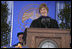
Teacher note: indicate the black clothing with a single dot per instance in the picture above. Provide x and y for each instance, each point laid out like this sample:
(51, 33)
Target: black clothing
(44, 22)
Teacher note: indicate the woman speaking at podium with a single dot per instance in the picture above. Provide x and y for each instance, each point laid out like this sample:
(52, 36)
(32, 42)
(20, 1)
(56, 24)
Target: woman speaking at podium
(44, 21)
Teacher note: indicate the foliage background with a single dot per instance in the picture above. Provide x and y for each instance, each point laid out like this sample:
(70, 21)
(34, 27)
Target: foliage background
(65, 16)
(5, 28)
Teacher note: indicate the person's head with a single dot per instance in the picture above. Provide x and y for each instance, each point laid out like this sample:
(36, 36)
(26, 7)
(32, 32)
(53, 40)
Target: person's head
(43, 9)
(20, 36)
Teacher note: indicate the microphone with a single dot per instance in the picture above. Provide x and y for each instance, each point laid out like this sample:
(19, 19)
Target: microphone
(45, 22)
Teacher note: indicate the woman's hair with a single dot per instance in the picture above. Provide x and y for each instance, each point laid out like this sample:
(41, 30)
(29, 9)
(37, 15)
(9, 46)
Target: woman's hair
(43, 5)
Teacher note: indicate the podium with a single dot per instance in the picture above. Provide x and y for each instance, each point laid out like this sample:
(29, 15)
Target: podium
(48, 38)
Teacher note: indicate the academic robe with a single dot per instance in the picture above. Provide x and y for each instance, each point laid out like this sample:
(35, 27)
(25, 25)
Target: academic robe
(44, 22)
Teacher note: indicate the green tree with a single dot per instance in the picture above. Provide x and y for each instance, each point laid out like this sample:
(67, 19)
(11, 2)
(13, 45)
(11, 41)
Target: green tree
(5, 28)
(65, 16)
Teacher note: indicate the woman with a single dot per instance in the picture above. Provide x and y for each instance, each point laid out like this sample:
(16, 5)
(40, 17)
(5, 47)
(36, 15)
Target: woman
(44, 21)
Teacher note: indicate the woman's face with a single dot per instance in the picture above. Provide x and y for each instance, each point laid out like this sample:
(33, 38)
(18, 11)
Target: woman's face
(43, 11)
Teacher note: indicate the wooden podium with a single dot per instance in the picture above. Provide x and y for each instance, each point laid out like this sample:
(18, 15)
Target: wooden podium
(35, 37)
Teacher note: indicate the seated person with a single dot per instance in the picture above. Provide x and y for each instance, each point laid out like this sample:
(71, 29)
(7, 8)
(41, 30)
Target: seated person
(21, 39)
(44, 21)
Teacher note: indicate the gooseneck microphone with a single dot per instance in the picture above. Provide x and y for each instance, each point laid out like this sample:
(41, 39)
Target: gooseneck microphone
(46, 22)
